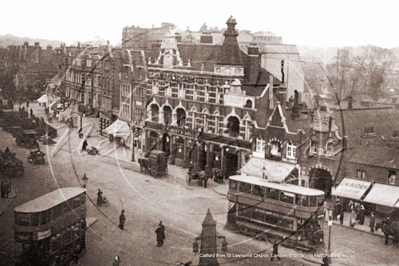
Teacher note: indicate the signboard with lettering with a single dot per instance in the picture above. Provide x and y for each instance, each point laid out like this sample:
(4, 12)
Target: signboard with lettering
(273, 170)
(181, 131)
(351, 188)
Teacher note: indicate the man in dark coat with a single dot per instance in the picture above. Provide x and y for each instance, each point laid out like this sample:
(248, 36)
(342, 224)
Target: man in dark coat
(84, 145)
(99, 198)
(160, 234)
(31, 112)
(341, 216)
(372, 222)
(360, 216)
(275, 251)
(122, 219)
(6, 188)
(7, 150)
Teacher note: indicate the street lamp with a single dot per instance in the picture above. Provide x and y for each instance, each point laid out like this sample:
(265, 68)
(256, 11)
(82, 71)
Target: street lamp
(85, 179)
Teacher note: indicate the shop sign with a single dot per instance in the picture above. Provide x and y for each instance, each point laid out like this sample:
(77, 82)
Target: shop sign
(233, 100)
(43, 234)
(352, 188)
(181, 131)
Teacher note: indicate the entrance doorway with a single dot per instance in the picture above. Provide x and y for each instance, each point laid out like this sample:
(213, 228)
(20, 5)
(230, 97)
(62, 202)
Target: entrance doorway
(321, 179)
(231, 164)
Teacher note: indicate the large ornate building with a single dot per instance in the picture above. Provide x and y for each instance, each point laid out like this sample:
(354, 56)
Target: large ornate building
(214, 89)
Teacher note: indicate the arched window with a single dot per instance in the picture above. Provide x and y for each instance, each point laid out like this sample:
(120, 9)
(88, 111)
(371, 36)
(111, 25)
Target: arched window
(248, 104)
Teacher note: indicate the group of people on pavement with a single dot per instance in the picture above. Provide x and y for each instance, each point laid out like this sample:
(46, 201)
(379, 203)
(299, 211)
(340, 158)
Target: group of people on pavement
(5, 189)
(357, 213)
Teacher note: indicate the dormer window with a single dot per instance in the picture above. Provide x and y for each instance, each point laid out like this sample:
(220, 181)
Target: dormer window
(260, 145)
(248, 104)
(88, 63)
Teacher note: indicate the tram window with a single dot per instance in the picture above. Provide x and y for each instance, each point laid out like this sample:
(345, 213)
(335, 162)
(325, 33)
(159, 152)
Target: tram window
(245, 187)
(247, 211)
(286, 222)
(34, 219)
(313, 201)
(271, 218)
(272, 193)
(233, 185)
(16, 218)
(303, 201)
(57, 211)
(66, 206)
(258, 191)
(287, 197)
(23, 219)
(76, 202)
(43, 217)
(258, 215)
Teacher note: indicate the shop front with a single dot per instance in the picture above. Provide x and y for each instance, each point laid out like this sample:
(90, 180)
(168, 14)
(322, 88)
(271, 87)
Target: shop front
(385, 198)
(351, 189)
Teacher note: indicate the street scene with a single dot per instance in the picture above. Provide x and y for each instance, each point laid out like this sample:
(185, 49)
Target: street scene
(232, 138)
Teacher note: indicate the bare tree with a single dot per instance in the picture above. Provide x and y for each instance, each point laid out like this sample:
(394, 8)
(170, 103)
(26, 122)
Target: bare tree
(374, 63)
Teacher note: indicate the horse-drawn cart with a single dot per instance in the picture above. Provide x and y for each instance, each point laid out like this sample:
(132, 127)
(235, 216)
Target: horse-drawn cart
(10, 165)
(27, 139)
(36, 157)
(156, 162)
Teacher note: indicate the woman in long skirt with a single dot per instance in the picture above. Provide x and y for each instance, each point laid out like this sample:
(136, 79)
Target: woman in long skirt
(99, 198)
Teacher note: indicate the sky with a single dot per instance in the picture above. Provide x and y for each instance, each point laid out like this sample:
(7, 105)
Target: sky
(314, 23)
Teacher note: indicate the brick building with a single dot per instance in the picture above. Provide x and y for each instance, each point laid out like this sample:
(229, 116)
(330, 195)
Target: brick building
(216, 89)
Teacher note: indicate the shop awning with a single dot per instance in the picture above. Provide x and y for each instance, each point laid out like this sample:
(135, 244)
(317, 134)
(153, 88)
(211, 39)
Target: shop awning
(351, 188)
(118, 129)
(383, 195)
(275, 171)
(43, 99)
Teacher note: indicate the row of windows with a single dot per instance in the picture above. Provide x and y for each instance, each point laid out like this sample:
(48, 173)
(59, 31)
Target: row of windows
(275, 194)
(391, 176)
(126, 90)
(44, 217)
(275, 148)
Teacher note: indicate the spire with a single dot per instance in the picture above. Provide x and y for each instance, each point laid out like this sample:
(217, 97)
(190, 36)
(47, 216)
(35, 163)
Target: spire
(230, 53)
(208, 219)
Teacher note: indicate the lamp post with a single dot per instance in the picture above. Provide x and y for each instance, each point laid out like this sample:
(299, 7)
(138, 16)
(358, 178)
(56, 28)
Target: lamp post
(133, 127)
(329, 236)
(85, 179)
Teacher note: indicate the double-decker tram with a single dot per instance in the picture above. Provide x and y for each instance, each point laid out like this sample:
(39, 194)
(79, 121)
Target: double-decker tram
(51, 229)
(269, 211)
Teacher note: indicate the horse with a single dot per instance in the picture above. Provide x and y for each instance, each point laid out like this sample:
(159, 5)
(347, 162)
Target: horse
(389, 228)
(203, 179)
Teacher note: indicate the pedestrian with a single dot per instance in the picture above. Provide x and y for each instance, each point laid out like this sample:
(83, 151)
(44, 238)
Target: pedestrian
(31, 112)
(99, 198)
(275, 251)
(2, 189)
(6, 189)
(341, 216)
(160, 234)
(122, 219)
(372, 222)
(7, 150)
(117, 261)
(361, 214)
(336, 210)
(27, 104)
(352, 220)
(325, 261)
(84, 145)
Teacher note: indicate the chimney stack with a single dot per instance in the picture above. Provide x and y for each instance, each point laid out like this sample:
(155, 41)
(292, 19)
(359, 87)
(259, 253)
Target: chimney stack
(206, 38)
(37, 44)
(350, 103)
(49, 47)
(282, 71)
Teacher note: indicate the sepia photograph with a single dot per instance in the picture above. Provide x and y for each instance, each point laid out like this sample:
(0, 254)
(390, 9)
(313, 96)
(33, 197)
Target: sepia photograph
(201, 133)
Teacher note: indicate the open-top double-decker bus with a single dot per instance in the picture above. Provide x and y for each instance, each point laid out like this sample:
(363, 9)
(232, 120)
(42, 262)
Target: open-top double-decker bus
(51, 227)
(267, 210)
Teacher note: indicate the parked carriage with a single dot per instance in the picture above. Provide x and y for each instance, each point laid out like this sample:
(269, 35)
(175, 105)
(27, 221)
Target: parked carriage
(36, 157)
(27, 139)
(156, 162)
(10, 165)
